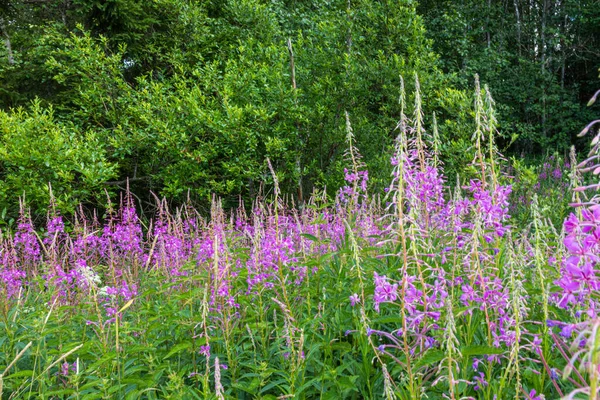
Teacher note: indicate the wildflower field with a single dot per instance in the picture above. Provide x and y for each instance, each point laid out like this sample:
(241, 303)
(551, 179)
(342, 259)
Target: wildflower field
(425, 290)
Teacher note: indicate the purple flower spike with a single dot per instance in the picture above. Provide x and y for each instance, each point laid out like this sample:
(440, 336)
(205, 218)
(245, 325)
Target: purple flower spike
(534, 396)
(480, 381)
(205, 350)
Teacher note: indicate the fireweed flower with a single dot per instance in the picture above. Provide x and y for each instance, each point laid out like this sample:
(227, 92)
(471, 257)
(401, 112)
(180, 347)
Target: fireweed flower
(65, 368)
(358, 179)
(579, 277)
(277, 248)
(11, 278)
(480, 381)
(567, 330)
(171, 250)
(11, 282)
(54, 230)
(533, 395)
(122, 238)
(429, 342)
(25, 242)
(384, 291)
(494, 358)
(205, 350)
(113, 297)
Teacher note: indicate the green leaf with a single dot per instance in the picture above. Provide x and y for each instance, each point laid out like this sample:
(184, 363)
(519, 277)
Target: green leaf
(24, 373)
(60, 392)
(309, 237)
(431, 357)
(272, 385)
(102, 361)
(348, 382)
(388, 319)
(90, 385)
(479, 350)
(178, 348)
(248, 387)
(345, 346)
(116, 388)
(92, 396)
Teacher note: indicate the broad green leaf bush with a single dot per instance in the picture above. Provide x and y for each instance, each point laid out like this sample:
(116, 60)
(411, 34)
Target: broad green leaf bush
(37, 150)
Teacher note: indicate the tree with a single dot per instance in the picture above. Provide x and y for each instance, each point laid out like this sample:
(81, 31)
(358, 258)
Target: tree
(189, 99)
(538, 58)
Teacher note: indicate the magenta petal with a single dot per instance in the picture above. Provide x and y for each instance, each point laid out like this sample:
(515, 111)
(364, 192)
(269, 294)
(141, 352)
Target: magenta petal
(572, 245)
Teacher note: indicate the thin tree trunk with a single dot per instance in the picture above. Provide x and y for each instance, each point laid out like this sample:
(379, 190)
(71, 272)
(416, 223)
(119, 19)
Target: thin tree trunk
(349, 33)
(518, 15)
(9, 52)
(63, 11)
(294, 89)
(562, 71)
(543, 64)
(543, 36)
(563, 50)
(292, 64)
(487, 23)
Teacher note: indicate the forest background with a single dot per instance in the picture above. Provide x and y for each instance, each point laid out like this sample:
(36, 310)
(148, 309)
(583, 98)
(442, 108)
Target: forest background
(187, 99)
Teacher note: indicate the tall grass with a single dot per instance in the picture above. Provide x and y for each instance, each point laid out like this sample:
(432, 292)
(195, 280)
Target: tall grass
(422, 291)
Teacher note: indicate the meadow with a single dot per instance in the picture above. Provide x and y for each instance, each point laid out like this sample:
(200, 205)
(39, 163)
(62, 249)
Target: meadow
(429, 289)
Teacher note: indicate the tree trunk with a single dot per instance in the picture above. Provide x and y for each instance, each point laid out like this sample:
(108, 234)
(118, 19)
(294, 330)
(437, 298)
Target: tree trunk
(563, 51)
(9, 52)
(487, 25)
(543, 63)
(518, 16)
(302, 142)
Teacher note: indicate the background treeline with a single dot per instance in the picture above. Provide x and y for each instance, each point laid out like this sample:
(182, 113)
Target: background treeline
(539, 57)
(189, 98)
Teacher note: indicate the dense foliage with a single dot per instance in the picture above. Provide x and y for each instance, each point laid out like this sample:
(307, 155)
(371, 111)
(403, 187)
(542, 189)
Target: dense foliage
(187, 99)
(427, 291)
(540, 59)
(254, 251)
